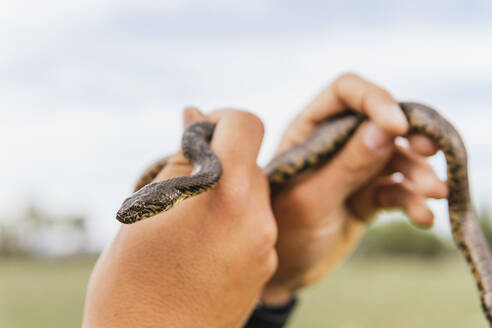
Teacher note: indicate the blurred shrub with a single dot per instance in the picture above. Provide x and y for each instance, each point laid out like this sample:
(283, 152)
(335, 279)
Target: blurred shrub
(36, 232)
(398, 238)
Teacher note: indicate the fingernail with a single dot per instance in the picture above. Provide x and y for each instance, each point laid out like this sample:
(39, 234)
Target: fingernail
(398, 118)
(374, 137)
(190, 115)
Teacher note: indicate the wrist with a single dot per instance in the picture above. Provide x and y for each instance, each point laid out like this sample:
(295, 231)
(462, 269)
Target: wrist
(272, 316)
(276, 295)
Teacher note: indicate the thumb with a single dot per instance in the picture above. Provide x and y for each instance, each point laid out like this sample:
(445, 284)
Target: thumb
(177, 165)
(364, 156)
(191, 115)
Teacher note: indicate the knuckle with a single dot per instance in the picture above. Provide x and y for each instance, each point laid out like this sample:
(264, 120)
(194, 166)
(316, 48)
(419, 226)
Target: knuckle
(431, 186)
(374, 95)
(271, 264)
(295, 135)
(176, 165)
(237, 193)
(253, 121)
(422, 173)
(419, 211)
(269, 230)
(355, 165)
(240, 184)
(239, 189)
(425, 179)
(265, 235)
(299, 197)
(347, 77)
(425, 167)
(239, 117)
(378, 90)
(177, 159)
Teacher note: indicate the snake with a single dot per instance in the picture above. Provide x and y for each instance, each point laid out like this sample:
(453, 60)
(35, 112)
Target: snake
(151, 198)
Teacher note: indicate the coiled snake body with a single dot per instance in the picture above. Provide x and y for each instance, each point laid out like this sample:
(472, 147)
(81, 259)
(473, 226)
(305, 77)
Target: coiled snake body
(152, 198)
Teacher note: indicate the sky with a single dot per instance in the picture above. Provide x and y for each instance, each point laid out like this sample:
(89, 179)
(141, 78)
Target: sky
(92, 91)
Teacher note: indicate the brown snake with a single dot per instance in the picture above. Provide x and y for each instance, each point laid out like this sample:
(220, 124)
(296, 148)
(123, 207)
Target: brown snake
(152, 198)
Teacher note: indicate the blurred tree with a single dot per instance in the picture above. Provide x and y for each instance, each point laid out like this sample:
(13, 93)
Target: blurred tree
(398, 238)
(36, 232)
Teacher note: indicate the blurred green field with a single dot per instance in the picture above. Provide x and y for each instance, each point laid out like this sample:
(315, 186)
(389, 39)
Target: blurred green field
(393, 292)
(376, 292)
(43, 293)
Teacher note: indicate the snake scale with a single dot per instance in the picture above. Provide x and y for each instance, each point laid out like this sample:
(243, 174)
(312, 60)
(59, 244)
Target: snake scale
(151, 198)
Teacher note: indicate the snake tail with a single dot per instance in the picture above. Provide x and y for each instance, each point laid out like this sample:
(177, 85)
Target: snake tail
(332, 134)
(465, 226)
(156, 197)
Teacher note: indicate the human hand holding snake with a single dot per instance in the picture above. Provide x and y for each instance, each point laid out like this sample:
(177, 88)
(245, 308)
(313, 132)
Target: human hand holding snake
(204, 263)
(358, 197)
(321, 215)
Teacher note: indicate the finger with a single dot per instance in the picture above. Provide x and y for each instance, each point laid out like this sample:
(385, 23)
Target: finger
(362, 158)
(192, 114)
(402, 195)
(366, 153)
(422, 145)
(178, 165)
(351, 91)
(417, 170)
(296, 133)
(387, 193)
(236, 140)
(237, 137)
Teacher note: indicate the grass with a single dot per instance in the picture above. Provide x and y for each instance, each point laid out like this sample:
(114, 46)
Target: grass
(40, 293)
(391, 292)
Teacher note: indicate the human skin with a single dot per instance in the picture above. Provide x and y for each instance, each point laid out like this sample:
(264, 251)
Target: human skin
(321, 215)
(204, 263)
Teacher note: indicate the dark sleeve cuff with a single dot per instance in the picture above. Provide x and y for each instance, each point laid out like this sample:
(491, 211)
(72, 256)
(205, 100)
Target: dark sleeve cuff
(271, 316)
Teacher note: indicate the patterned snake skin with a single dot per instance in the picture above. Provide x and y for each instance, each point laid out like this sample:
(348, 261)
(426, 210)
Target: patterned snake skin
(152, 198)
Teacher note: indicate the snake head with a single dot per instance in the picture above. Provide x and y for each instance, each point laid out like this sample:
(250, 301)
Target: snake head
(150, 200)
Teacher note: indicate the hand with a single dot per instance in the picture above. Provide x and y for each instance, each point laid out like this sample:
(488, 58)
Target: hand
(321, 216)
(204, 263)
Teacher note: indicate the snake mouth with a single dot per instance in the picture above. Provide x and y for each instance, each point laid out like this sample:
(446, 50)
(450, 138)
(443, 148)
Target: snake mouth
(131, 211)
(127, 218)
